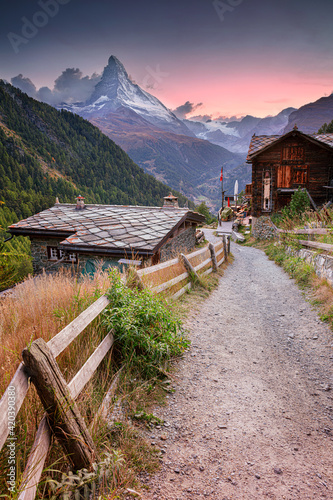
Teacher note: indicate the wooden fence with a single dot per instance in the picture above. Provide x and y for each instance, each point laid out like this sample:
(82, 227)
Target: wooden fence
(310, 243)
(175, 276)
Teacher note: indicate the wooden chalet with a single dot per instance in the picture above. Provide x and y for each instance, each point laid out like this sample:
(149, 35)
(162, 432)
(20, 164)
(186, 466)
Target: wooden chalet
(282, 163)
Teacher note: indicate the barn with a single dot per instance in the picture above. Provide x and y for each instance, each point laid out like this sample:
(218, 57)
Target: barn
(283, 163)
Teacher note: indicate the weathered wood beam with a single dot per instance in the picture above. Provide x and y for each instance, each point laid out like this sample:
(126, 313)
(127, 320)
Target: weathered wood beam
(213, 256)
(64, 417)
(190, 269)
(62, 340)
(224, 240)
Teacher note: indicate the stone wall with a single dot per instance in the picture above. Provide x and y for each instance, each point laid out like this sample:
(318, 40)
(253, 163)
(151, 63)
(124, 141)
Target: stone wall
(84, 262)
(323, 264)
(184, 242)
(263, 228)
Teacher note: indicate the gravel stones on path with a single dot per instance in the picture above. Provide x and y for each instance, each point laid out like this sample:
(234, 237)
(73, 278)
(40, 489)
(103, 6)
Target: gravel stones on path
(252, 415)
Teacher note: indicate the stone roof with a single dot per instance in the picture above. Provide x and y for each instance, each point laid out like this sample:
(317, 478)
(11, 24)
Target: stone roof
(106, 228)
(260, 142)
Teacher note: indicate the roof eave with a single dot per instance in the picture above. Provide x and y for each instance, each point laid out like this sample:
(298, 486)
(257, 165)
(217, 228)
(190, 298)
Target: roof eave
(40, 232)
(250, 157)
(88, 250)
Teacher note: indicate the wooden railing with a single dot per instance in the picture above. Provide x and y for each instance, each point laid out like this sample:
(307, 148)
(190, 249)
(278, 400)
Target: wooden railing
(173, 276)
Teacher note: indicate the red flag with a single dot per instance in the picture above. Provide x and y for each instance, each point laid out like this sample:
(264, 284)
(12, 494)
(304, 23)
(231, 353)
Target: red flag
(228, 202)
(221, 176)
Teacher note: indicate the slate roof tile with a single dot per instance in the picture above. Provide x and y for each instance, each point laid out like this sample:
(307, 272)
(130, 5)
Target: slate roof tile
(110, 226)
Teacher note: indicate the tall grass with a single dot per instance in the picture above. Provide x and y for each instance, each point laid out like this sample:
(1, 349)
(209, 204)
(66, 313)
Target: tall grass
(40, 308)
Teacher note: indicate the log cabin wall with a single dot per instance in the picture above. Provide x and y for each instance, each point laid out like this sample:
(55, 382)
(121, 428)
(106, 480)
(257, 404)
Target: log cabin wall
(287, 164)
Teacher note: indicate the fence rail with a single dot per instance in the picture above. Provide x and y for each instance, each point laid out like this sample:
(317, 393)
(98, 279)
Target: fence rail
(171, 276)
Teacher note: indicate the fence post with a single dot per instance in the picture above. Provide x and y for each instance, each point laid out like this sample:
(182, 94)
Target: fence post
(225, 251)
(229, 240)
(64, 417)
(190, 269)
(213, 255)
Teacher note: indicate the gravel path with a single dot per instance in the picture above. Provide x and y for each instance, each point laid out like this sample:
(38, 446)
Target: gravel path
(252, 414)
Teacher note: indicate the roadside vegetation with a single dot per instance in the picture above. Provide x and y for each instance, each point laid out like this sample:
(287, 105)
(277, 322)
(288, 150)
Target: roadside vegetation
(149, 337)
(298, 215)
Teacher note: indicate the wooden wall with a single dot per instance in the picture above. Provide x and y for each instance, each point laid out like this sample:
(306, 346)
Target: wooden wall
(292, 162)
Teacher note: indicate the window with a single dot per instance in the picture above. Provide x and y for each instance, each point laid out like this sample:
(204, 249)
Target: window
(293, 153)
(54, 253)
(267, 191)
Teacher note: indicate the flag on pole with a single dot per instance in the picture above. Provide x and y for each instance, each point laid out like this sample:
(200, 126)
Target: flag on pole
(221, 176)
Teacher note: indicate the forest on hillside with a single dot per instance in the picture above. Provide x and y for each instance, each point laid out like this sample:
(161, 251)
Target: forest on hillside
(45, 153)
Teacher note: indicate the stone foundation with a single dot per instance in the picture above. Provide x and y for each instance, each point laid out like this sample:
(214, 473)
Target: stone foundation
(263, 228)
(322, 264)
(183, 242)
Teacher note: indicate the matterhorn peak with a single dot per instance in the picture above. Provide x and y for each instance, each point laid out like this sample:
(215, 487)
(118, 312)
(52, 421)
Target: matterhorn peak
(116, 91)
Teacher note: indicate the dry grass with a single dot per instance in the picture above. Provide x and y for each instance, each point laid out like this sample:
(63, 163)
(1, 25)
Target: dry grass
(40, 308)
(322, 297)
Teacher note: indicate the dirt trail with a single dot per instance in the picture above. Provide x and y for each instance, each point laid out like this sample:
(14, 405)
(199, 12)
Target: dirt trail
(252, 414)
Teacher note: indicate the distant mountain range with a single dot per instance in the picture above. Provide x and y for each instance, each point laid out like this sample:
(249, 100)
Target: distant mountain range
(45, 153)
(236, 135)
(312, 116)
(185, 154)
(154, 137)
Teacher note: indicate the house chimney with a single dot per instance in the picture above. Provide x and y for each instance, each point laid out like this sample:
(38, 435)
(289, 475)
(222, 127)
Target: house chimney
(79, 203)
(170, 201)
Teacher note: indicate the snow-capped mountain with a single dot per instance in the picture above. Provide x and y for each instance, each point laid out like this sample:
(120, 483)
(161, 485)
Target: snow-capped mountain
(116, 91)
(236, 135)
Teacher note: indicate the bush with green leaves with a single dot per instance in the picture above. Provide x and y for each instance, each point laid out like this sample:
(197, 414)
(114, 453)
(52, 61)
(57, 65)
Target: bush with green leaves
(299, 203)
(147, 333)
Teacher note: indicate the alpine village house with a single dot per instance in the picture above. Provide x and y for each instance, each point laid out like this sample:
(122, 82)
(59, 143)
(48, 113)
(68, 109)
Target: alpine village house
(83, 236)
(283, 163)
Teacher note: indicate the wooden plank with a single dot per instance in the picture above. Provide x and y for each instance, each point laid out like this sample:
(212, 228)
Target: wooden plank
(219, 252)
(86, 372)
(169, 284)
(208, 271)
(36, 460)
(62, 340)
(317, 230)
(106, 403)
(20, 382)
(317, 245)
(197, 253)
(158, 267)
(219, 262)
(225, 248)
(213, 256)
(181, 291)
(190, 269)
(64, 417)
(203, 264)
(37, 457)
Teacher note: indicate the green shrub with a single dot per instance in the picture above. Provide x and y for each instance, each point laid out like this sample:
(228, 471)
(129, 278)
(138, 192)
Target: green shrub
(299, 204)
(146, 332)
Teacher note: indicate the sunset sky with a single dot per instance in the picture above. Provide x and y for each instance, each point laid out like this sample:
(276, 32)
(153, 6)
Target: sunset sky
(232, 57)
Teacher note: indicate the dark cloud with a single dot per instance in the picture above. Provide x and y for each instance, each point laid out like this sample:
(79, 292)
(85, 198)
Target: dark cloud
(71, 86)
(228, 119)
(186, 108)
(24, 84)
(201, 118)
